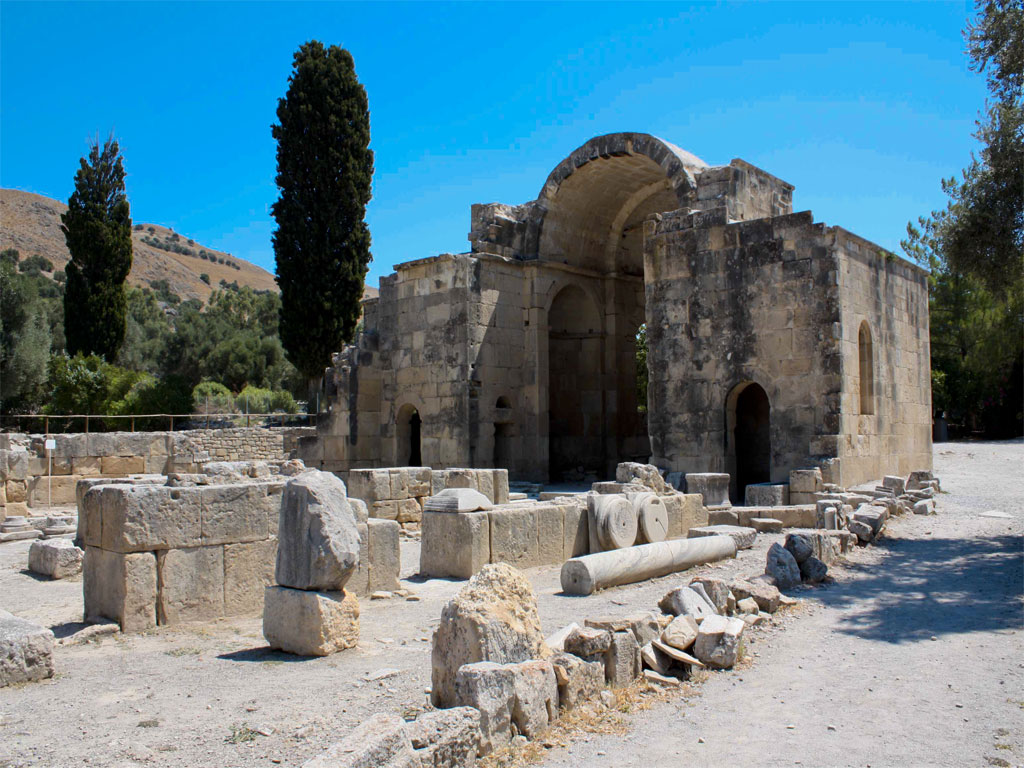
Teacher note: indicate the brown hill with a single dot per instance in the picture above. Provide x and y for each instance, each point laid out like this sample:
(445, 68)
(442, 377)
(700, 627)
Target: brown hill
(31, 223)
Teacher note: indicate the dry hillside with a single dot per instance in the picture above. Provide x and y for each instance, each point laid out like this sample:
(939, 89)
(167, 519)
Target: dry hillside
(31, 223)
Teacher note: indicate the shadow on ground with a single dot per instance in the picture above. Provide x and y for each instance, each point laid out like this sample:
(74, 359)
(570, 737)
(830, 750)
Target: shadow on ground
(932, 587)
(263, 654)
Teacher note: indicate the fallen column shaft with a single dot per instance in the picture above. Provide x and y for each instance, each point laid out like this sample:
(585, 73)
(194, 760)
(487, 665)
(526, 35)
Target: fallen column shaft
(586, 574)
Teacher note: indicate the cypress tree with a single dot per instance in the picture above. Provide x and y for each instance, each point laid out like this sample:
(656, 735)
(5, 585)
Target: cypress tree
(98, 230)
(324, 172)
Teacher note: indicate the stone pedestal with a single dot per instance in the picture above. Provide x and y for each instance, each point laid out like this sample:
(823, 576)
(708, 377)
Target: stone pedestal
(17, 527)
(713, 486)
(310, 623)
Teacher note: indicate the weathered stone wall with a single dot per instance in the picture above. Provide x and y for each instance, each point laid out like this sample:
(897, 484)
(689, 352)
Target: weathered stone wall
(733, 303)
(889, 297)
(26, 477)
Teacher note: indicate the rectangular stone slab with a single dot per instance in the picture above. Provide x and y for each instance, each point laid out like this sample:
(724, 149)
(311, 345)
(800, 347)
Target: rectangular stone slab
(744, 537)
(454, 544)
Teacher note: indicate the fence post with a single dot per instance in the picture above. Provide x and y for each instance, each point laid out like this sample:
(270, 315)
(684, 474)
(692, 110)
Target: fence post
(172, 423)
(87, 424)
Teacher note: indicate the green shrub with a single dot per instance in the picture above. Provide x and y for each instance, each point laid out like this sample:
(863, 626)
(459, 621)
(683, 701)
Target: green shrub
(212, 397)
(36, 263)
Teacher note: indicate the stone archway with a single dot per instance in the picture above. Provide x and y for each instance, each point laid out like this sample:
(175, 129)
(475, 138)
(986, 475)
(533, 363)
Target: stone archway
(409, 437)
(749, 425)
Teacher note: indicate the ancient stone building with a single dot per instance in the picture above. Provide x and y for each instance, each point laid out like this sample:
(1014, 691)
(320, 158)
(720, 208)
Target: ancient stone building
(774, 342)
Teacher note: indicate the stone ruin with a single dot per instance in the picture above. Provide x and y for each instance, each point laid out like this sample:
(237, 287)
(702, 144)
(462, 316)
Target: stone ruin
(774, 342)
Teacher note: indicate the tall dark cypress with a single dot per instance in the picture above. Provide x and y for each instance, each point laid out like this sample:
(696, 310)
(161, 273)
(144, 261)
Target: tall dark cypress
(98, 230)
(324, 174)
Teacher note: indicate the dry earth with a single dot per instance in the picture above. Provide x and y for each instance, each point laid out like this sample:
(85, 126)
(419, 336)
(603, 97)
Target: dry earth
(913, 656)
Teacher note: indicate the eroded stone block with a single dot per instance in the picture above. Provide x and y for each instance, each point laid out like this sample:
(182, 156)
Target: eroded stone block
(310, 623)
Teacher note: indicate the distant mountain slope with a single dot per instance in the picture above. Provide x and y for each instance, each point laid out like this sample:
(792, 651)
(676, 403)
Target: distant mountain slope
(31, 223)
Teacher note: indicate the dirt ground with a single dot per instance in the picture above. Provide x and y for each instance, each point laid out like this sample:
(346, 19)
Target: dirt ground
(914, 656)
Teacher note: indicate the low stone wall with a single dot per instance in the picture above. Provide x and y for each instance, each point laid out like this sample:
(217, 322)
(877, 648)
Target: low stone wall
(160, 554)
(399, 493)
(28, 480)
(458, 544)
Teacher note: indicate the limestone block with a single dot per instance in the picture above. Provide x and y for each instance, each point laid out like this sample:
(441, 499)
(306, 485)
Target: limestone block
(578, 681)
(575, 534)
(26, 650)
(712, 486)
(744, 537)
(924, 507)
(248, 570)
(485, 483)
(120, 587)
(310, 623)
(359, 582)
(724, 517)
(549, 521)
(681, 632)
(122, 466)
(535, 696)
(235, 513)
(861, 530)
(454, 545)
(17, 464)
(514, 537)
(380, 742)
(717, 643)
(493, 618)
(359, 509)
(318, 542)
(782, 567)
(489, 688)
(683, 601)
(644, 626)
(446, 738)
(716, 590)
(685, 511)
(409, 511)
(457, 500)
(86, 466)
(588, 643)
(56, 558)
(58, 490)
(56, 465)
(622, 660)
(766, 525)
(644, 474)
(384, 510)
(384, 555)
(894, 483)
(191, 584)
(767, 495)
(370, 485)
(17, 490)
(499, 482)
(804, 481)
(144, 518)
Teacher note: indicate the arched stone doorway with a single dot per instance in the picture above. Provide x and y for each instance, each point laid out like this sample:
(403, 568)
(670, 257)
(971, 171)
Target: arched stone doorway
(749, 420)
(409, 438)
(575, 403)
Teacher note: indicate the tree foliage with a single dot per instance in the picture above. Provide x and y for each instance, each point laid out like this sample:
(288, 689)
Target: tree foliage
(975, 246)
(324, 174)
(97, 228)
(25, 340)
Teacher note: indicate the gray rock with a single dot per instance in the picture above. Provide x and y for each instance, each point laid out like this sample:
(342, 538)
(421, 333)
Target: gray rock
(765, 595)
(862, 530)
(681, 632)
(813, 570)
(489, 688)
(715, 590)
(446, 738)
(782, 567)
(588, 643)
(718, 640)
(380, 742)
(683, 601)
(578, 680)
(318, 541)
(26, 650)
(56, 558)
(535, 691)
(799, 546)
(622, 660)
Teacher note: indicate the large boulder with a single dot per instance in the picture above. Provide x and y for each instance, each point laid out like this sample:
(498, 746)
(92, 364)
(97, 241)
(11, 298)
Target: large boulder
(26, 650)
(782, 566)
(318, 541)
(492, 618)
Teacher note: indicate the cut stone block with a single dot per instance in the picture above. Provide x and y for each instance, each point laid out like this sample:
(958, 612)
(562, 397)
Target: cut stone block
(575, 530)
(191, 584)
(588, 643)
(683, 601)
(446, 738)
(766, 525)
(56, 558)
(232, 514)
(514, 537)
(318, 543)
(489, 688)
(685, 511)
(248, 571)
(384, 555)
(766, 495)
(894, 483)
(744, 537)
(26, 650)
(122, 466)
(380, 742)
(550, 534)
(716, 591)
(309, 623)
(370, 485)
(120, 587)
(680, 633)
(647, 475)
(622, 660)
(145, 518)
(458, 500)
(454, 545)
(767, 596)
(578, 681)
(712, 486)
(535, 699)
(717, 643)
(804, 481)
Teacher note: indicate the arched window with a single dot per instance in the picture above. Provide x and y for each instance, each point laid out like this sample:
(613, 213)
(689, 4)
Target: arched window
(867, 370)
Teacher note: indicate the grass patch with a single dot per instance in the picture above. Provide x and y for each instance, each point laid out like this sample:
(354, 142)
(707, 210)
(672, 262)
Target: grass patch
(241, 732)
(147, 723)
(179, 652)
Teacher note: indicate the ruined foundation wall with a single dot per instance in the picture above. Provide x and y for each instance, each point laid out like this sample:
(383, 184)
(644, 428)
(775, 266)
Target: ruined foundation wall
(732, 303)
(884, 303)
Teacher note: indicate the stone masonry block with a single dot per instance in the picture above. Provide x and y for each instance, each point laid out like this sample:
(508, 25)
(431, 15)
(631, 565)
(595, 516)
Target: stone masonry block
(121, 466)
(804, 481)
(191, 584)
(235, 513)
(248, 570)
(384, 555)
(550, 534)
(309, 623)
(120, 587)
(26, 650)
(370, 485)
(685, 511)
(87, 466)
(514, 537)
(58, 490)
(500, 484)
(141, 518)
(454, 544)
(384, 510)
(575, 532)
(359, 581)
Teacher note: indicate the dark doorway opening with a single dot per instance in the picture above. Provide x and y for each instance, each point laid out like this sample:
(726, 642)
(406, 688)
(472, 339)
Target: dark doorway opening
(409, 428)
(752, 439)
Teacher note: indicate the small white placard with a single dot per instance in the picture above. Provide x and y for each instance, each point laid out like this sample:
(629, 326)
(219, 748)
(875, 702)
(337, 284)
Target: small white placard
(50, 444)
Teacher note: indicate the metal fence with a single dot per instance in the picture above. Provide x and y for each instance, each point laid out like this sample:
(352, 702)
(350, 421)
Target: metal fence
(151, 422)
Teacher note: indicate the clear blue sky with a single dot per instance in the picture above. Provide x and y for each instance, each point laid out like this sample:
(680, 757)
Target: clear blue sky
(864, 107)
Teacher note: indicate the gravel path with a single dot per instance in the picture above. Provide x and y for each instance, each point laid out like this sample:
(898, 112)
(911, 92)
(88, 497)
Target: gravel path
(857, 655)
